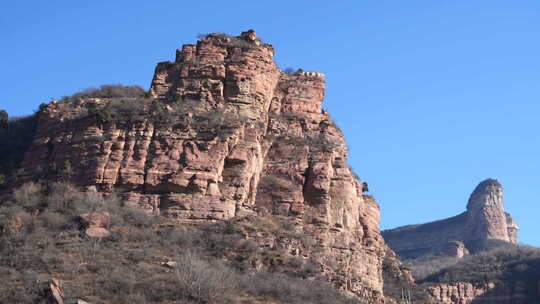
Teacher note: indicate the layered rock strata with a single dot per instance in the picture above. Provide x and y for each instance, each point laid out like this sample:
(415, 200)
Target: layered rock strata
(485, 219)
(234, 136)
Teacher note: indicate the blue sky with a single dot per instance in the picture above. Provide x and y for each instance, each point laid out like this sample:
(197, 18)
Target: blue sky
(433, 96)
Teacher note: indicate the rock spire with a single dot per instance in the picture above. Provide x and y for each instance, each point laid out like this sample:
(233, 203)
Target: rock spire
(484, 220)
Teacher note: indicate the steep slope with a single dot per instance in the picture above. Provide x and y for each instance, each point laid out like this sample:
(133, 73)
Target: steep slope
(51, 254)
(223, 133)
(485, 219)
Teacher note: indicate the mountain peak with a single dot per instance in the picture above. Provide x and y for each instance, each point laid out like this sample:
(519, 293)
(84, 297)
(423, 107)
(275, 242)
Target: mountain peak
(222, 133)
(488, 191)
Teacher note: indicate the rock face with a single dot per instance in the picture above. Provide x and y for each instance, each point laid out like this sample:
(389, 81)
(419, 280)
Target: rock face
(236, 137)
(488, 293)
(484, 219)
(455, 249)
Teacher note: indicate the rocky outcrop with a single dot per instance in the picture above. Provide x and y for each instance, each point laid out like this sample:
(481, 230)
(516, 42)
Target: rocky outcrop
(486, 216)
(50, 292)
(226, 134)
(484, 219)
(512, 228)
(454, 249)
(95, 224)
(502, 293)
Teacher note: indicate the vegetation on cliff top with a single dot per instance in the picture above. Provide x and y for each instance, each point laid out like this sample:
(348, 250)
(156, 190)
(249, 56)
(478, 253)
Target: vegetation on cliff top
(231, 40)
(17, 133)
(108, 91)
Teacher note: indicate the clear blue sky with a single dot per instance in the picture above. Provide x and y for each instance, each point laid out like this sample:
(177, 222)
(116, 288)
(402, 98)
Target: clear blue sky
(433, 96)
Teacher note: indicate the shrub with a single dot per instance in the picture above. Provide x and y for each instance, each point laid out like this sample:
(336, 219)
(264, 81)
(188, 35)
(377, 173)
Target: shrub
(183, 237)
(365, 187)
(241, 43)
(29, 196)
(215, 35)
(54, 220)
(428, 265)
(293, 290)
(138, 218)
(289, 71)
(109, 91)
(4, 117)
(202, 281)
(119, 280)
(67, 200)
(276, 183)
(67, 171)
(15, 141)
(122, 111)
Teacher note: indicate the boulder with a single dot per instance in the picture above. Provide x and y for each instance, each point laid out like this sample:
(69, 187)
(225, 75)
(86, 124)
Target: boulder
(96, 224)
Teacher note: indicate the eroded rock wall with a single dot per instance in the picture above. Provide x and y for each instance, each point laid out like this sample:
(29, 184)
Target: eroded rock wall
(246, 138)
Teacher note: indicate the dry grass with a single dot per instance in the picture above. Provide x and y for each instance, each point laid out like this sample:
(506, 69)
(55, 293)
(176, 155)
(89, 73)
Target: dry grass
(40, 235)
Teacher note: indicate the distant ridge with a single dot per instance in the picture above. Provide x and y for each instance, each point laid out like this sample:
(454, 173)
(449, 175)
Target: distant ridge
(484, 219)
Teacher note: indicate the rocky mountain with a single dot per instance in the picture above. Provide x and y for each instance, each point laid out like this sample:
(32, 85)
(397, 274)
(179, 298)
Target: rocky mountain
(225, 182)
(484, 220)
(223, 133)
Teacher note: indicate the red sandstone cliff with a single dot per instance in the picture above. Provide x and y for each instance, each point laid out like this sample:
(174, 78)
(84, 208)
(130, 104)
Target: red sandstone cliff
(226, 134)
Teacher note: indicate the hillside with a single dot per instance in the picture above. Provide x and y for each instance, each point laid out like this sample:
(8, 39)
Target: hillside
(45, 237)
(506, 275)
